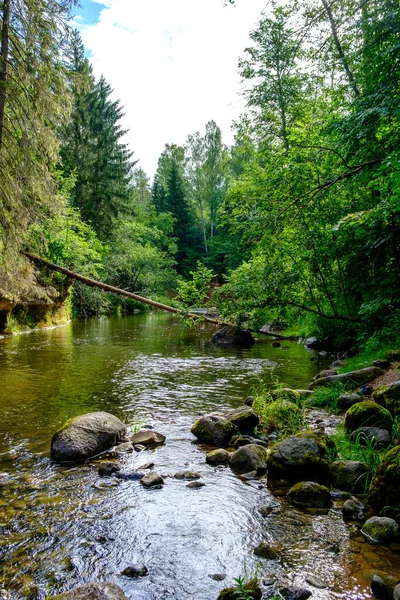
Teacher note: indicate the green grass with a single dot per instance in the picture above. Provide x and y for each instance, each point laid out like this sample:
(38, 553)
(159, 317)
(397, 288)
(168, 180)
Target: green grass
(327, 396)
(364, 358)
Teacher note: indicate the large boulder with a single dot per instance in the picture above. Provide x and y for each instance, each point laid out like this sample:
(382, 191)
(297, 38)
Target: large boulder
(353, 378)
(380, 530)
(105, 590)
(367, 414)
(346, 401)
(244, 418)
(385, 485)
(389, 397)
(233, 336)
(308, 494)
(285, 394)
(86, 436)
(249, 458)
(301, 457)
(214, 430)
(349, 475)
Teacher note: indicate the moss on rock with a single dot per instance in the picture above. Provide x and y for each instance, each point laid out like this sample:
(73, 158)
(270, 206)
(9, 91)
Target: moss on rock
(388, 396)
(368, 414)
(384, 493)
(251, 588)
(308, 494)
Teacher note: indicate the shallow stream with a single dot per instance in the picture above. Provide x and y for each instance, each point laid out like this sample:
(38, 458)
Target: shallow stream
(63, 526)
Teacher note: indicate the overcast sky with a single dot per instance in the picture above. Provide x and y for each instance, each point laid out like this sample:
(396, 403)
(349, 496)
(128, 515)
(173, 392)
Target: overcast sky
(172, 63)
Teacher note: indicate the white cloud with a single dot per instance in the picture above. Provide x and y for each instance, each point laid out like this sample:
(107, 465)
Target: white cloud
(173, 65)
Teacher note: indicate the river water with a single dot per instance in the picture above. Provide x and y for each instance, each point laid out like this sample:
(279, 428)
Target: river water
(63, 526)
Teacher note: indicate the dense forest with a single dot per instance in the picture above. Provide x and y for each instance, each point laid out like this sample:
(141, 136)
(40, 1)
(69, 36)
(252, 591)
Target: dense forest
(296, 223)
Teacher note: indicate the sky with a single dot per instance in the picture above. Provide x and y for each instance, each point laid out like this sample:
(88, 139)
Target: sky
(172, 64)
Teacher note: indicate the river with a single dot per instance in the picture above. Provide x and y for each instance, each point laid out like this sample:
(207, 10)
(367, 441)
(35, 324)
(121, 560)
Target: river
(63, 526)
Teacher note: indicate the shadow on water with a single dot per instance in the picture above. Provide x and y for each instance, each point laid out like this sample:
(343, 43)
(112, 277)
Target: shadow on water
(65, 526)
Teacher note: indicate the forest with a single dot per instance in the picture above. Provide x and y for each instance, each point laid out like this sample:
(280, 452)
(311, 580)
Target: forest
(296, 223)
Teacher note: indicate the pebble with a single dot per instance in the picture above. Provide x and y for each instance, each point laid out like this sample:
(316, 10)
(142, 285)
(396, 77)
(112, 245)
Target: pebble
(195, 484)
(148, 465)
(218, 576)
(315, 582)
(187, 475)
(137, 570)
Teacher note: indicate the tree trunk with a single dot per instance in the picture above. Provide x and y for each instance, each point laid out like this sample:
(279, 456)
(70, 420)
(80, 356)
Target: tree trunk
(3, 69)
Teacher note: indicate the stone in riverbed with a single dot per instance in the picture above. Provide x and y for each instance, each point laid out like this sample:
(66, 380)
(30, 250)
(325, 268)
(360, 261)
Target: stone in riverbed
(265, 550)
(308, 494)
(86, 436)
(152, 479)
(367, 414)
(128, 475)
(349, 475)
(383, 588)
(233, 336)
(325, 373)
(381, 437)
(195, 484)
(353, 378)
(249, 458)
(218, 457)
(304, 456)
(380, 530)
(244, 418)
(137, 570)
(346, 401)
(108, 468)
(353, 510)
(389, 397)
(146, 437)
(187, 475)
(214, 430)
(385, 484)
(293, 592)
(105, 590)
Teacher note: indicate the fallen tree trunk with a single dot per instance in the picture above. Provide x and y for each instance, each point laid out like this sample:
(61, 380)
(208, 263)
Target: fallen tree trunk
(109, 288)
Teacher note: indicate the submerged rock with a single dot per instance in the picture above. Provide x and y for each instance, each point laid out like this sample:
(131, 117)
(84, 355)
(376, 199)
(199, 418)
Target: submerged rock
(385, 484)
(137, 570)
(293, 592)
(349, 475)
(367, 414)
(214, 430)
(308, 494)
(300, 457)
(380, 530)
(86, 436)
(265, 550)
(233, 336)
(152, 479)
(105, 590)
(129, 475)
(146, 437)
(218, 457)
(249, 458)
(353, 378)
(108, 468)
(244, 418)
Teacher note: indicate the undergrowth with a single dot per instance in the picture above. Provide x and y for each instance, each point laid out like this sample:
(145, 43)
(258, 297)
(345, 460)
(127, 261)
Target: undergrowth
(327, 396)
(278, 409)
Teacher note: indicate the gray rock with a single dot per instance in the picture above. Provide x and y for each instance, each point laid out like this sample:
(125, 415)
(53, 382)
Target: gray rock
(187, 475)
(218, 576)
(148, 465)
(214, 430)
(353, 510)
(244, 418)
(381, 588)
(125, 447)
(308, 494)
(389, 397)
(249, 458)
(367, 414)
(139, 447)
(396, 592)
(218, 457)
(382, 364)
(353, 378)
(315, 582)
(195, 484)
(293, 592)
(380, 530)
(312, 342)
(265, 510)
(380, 436)
(86, 436)
(104, 590)
(108, 468)
(337, 364)
(152, 479)
(301, 457)
(345, 401)
(137, 570)
(325, 373)
(129, 475)
(349, 475)
(146, 437)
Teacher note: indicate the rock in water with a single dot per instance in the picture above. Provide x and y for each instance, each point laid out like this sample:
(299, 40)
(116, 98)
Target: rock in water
(233, 336)
(244, 418)
(214, 430)
(249, 458)
(349, 475)
(144, 437)
(218, 457)
(138, 570)
(86, 436)
(380, 530)
(308, 494)
(152, 480)
(105, 590)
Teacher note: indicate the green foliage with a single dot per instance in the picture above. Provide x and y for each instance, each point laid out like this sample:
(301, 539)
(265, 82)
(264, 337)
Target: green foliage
(278, 409)
(327, 396)
(193, 292)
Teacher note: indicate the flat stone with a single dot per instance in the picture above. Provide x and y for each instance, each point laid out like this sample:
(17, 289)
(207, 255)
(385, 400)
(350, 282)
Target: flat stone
(105, 590)
(148, 465)
(353, 378)
(195, 484)
(147, 437)
(293, 592)
(137, 570)
(152, 479)
(315, 582)
(129, 475)
(125, 447)
(218, 576)
(108, 468)
(187, 475)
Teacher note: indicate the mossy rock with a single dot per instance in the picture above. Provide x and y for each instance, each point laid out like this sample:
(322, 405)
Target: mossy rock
(214, 430)
(367, 414)
(384, 489)
(244, 418)
(252, 588)
(349, 475)
(380, 530)
(304, 456)
(388, 396)
(218, 457)
(251, 457)
(285, 393)
(281, 414)
(308, 494)
(351, 379)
